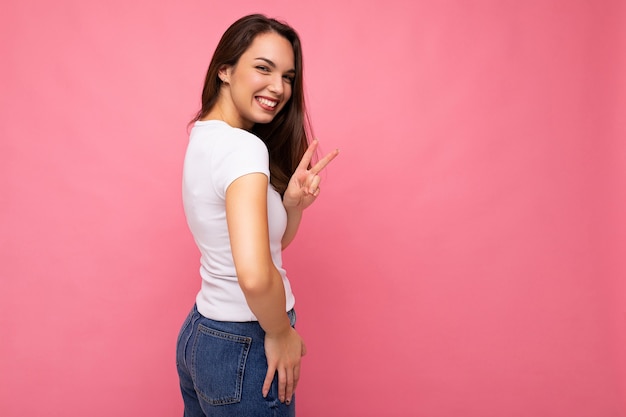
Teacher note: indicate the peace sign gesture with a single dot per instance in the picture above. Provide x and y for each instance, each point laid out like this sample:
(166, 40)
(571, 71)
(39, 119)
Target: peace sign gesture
(304, 185)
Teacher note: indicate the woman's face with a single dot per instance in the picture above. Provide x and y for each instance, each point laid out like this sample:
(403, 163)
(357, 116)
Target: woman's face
(259, 85)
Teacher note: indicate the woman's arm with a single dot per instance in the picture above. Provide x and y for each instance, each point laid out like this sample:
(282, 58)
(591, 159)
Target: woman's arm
(294, 216)
(260, 281)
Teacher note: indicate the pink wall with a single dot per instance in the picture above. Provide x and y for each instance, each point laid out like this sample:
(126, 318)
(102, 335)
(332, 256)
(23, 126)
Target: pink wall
(466, 255)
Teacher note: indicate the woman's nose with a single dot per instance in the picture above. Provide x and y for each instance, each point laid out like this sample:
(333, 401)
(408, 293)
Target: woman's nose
(276, 86)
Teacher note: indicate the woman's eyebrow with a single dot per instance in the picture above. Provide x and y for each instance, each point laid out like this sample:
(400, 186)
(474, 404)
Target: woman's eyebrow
(272, 64)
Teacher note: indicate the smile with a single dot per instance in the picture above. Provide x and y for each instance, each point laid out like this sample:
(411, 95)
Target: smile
(266, 103)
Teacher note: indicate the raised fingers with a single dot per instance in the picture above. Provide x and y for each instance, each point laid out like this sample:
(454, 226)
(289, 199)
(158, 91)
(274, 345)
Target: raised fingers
(321, 164)
(308, 155)
(306, 158)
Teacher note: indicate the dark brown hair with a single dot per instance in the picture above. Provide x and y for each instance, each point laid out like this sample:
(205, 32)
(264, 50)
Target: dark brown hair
(286, 136)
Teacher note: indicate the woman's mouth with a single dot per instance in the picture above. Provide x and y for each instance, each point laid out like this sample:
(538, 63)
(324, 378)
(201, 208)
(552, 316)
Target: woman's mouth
(266, 103)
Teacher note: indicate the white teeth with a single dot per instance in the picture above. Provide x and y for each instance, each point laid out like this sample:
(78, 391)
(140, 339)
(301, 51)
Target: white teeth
(267, 102)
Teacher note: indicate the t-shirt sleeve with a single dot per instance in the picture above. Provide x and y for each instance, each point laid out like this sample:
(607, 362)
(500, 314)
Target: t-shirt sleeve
(241, 154)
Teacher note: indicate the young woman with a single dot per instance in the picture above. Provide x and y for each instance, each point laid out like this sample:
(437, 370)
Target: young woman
(247, 178)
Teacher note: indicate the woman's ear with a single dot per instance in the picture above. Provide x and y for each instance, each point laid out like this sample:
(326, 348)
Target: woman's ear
(224, 73)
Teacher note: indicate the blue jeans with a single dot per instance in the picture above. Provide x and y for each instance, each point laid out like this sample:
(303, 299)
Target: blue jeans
(222, 366)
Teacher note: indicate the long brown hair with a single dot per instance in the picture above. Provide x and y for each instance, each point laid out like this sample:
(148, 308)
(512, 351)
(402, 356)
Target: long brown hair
(286, 136)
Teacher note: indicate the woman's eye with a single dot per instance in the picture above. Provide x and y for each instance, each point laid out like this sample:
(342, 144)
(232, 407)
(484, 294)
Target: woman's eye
(263, 68)
(289, 79)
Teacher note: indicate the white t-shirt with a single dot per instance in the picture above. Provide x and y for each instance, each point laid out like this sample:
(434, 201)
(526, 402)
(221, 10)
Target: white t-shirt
(218, 154)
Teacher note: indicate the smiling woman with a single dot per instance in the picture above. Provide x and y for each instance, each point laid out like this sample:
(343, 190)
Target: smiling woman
(259, 85)
(246, 181)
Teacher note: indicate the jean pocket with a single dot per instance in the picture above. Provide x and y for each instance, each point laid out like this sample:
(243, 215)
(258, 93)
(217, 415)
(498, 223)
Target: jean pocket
(218, 364)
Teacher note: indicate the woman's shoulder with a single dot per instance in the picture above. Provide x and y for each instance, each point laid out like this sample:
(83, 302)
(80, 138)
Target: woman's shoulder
(221, 131)
(223, 141)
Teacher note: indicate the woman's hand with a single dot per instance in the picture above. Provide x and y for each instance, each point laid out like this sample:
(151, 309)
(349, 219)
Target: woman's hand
(283, 352)
(304, 185)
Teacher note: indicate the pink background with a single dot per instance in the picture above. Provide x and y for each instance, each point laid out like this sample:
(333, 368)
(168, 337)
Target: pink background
(465, 258)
